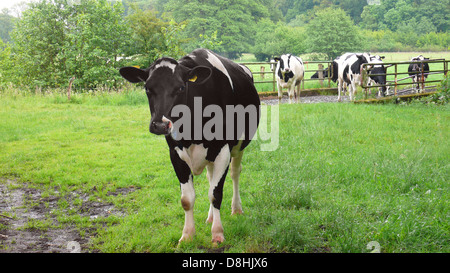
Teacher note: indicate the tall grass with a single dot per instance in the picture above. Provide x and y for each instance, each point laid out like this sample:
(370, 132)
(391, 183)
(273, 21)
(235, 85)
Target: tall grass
(101, 96)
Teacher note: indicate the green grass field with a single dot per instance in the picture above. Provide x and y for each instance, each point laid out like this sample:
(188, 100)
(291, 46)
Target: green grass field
(342, 176)
(389, 57)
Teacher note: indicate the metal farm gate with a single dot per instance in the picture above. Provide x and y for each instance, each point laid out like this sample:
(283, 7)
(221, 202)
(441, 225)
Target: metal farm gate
(399, 77)
(263, 74)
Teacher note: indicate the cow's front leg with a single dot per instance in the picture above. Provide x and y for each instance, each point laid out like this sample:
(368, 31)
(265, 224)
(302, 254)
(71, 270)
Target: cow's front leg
(339, 90)
(352, 90)
(280, 93)
(187, 202)
(219, 172)
(291, 92)
(184, 175)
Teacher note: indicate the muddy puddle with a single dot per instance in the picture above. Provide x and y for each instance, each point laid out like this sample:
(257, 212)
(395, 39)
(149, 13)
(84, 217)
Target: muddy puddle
(29, 221)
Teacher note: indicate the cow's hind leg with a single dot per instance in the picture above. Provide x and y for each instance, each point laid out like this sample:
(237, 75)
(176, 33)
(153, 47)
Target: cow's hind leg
(221, 164)
(235, 171)
(209, 175)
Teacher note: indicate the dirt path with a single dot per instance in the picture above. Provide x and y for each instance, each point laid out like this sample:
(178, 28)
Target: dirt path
(28, 221)
(272, 100)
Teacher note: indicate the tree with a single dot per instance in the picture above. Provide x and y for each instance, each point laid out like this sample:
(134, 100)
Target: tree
(332, 32)
(392, 14)
(145, 34)
(57, 39)
(6, 64)
(6, 25)
(398, 15)
(276, 39)
(153, 37)
(38, 39)
(233, 21)
(96, 36)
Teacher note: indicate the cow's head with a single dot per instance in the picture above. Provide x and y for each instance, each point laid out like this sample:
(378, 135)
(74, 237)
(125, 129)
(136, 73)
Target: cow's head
(378, 68)
(380, 79)
(283, 68)
(167, 84)
(418, 58)
(283, 63)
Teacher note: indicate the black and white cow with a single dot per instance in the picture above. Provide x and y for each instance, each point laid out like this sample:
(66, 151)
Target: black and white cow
(199, 86)
(415, 71)
(329, 71)
(289, 74)
(349, 71)
(272, 64)
(324, 74)
(377, 69)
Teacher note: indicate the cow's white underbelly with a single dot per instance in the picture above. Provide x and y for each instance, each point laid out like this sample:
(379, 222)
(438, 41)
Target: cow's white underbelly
(194, 156)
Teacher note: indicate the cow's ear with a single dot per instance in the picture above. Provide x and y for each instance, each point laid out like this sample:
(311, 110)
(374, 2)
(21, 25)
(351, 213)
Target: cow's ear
(277, 59)
(199, 74)
(133, 74)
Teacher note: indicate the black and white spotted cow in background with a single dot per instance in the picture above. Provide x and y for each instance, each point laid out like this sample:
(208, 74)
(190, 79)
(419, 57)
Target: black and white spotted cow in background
(272, 65)
(289, 74)
(349, 71)
(414, 70)
(199, 83)
(377, 69)
(330, 71)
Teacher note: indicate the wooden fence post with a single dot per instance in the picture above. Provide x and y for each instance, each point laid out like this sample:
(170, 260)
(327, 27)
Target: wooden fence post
(320, 71)
(70, 87)
(395, 81)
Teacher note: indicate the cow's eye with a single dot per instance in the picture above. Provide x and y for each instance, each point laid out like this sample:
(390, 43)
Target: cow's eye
(181, 90)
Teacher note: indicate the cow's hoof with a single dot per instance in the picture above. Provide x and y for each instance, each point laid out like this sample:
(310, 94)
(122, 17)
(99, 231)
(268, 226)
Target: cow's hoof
(217, 239)
(236, 211)
(185, 238)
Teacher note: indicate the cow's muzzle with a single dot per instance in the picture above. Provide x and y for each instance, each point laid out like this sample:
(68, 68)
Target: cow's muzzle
(163, 127)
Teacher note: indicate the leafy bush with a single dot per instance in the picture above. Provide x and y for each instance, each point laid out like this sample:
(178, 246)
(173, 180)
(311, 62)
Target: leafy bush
(443, 94)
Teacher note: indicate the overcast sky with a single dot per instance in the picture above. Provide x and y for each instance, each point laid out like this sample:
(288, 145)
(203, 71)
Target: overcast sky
(10, 3)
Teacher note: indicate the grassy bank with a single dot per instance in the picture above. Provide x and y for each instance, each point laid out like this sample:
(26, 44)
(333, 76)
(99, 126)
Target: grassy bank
(342, 176)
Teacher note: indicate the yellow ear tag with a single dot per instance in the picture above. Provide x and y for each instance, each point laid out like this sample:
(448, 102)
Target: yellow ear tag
(193, 79)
